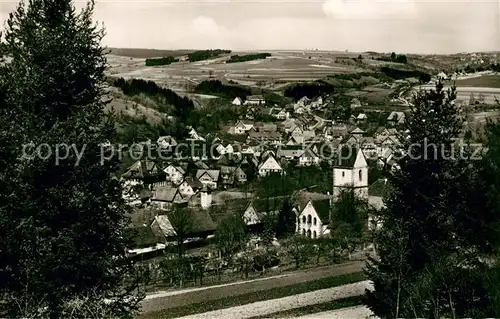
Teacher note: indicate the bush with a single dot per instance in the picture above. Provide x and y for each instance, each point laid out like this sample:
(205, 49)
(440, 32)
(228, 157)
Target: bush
(206, 54)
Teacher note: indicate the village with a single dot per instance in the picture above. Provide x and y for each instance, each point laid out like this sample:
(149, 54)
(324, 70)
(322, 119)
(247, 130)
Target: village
(208, 172)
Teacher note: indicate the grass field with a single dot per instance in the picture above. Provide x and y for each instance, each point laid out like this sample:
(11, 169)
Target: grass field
(247, 298)
(491, 81)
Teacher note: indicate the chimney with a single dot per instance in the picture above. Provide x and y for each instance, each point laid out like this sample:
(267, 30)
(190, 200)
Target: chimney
(206, 197)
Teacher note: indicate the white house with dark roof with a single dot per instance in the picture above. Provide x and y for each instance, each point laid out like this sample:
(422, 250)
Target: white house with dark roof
(269, 165)
(237, 101)
(174, 174)
(209, 177)
(309, 158)
(396, 118)
(350, 171)
(314, 218)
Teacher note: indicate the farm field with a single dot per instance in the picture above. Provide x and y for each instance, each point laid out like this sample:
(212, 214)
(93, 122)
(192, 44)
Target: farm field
(487, 81)
(282, 67)
(238, 294)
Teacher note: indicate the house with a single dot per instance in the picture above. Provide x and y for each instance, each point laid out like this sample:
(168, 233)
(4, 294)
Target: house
(314, 219)
(166, 197)
(189, 187)
(355, 103)
(164, 225)
(166, 142)
(350, 172)
(237, 101)
(194, 136)
(143, 171)
(357, 132)
(290, 152)
(309, 158)
(361, 118)
(242, 127)
(442, 76)
(255, 100)
(269, 165)
(396, 118)
(174, 174)
(208, 177)
(279, 114)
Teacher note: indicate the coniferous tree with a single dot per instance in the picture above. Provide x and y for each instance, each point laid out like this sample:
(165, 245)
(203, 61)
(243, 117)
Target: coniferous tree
(285, 223)
(61, 221)
(438, 228)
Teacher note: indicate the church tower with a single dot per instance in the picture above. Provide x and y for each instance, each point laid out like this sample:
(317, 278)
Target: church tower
(351, 171)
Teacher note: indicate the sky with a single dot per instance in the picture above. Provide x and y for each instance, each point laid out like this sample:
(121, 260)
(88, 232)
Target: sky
(406, 26)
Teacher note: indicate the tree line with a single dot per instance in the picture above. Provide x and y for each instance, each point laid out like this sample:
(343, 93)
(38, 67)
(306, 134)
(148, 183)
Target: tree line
(206, 54)
(182, 105)
(309, 89)
(216, 87)
(161, 61)
(248, 57)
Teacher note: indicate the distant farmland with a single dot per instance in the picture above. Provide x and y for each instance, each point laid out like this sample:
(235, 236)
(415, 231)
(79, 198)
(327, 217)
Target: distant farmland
(491, 81)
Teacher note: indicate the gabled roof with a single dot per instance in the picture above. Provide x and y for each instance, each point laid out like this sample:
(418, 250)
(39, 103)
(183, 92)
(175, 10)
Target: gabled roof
(301, 198)
(346, 157)
(141, 169)
(193, 182)
(267, 159)
(214, 174)
(308, 153)
(167, 194)
(357, 130)
(395, 116)
(322, 208)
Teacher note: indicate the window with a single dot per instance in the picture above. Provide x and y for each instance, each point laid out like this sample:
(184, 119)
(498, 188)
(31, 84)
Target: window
(298, 221)
(303, 219)
(314, 221)
(309, 233)
(343, 174)
(314, 234)
(303, 232)
(308, 219)
(360, 175)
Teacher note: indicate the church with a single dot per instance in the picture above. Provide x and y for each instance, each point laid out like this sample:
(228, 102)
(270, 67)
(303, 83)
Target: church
(349, 172)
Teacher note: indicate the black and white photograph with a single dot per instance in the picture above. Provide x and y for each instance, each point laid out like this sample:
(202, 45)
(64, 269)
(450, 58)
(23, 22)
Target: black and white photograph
(249, 159)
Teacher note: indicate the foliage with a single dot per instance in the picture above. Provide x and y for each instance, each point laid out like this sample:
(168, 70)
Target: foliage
(285, 224)
(248, 57)
(182, 222)
(440, 226)
(62, 222)
(403, 74)
(161, 61)
(215, 87)
(182, 105)
(298, 248)
(309, 89)
(231, 235)
(341, 109)
(396, 58)
(206, 54)
(349, 220)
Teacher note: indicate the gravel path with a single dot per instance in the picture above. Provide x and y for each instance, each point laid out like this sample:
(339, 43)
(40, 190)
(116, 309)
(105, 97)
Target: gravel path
(262, 308)
(357, 312)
